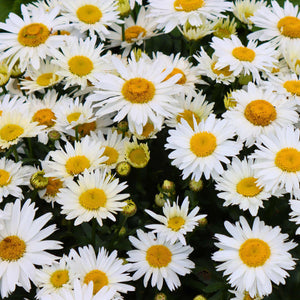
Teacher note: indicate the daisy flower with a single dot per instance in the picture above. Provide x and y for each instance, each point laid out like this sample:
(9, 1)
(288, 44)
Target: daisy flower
(104, 269)
(79, 61)
(29, 40)
(137, 154)
(177, 221)
(243, 296)
(171, 13)
(94, 195)
(51, 191)
(202, 149)
(279, 24)
(141, 91)
(295, 213)
(156, 257)
(277, 160)
(12, 177)
(149, 129)
(259, 111)
(10, 103)
(86, 154)
(291, 54)
(92, 16)
(22, 246)
(254, 258)
(238, 186)
(243, 60)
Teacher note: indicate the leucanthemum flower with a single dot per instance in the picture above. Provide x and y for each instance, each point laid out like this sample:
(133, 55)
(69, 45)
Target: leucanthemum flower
(225, 27)
(51, 191)
(238, 186)
(92, 16)
(171, 13)
(291, 54)
(177, 221)
(254, 258)
(259, 111)
(103, 269)
(156, 257)
(201, 150)
(29, 39)
(149, 129)
(243, 295)
(95, 195)
(22, 246)
(277, 160)
(243, 60)
(137, 154)
(9, 103)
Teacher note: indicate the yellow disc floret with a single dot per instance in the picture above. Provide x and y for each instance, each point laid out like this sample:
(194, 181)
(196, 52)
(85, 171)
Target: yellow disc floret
(11, 132)
(47, 79)
(77, 164)
(73, 117)
(44, 116)
(189, 116)
(12, 248)
(254, 252)
(288, 159)
(4, 177)
(243, 54)
(33, 35)
(89, 14)
(59, 278)
(175, 71)
(188, 5)
(133, 32)
(292, 86)
(248, 187)
(203, 144)
(80, 65)
(175, 223)
(138, 90)
(289, 26)
(224, 71)
(53, 186)
(93, 199)
(158, 256)
(99, 279)
(112, 155)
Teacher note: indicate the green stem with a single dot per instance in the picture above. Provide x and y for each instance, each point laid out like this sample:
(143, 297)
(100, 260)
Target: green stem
(15, 153)
(123, 32)
(76, 133)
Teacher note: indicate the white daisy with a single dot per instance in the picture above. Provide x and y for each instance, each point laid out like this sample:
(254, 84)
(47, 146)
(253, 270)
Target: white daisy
(254, 258)
(22, 246)
(13, 103)
(95, 195)
(137, 154)
(176, 222)
(259, 111)
(29, 39)
(156, 257)
(291, 54)
(104, 269)
(51, 191)
(149, 129)
(202, 149)
(243, 60)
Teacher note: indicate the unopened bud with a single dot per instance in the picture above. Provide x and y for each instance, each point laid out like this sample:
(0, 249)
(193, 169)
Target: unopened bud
(123, 168)
(168, 186)
(202, 222)
(38, 181)
(159, 200)
(196, 186)
(124, 8)
(160, 296)
(129, 209)
(54, 135)
(199, 297)
(122, 126)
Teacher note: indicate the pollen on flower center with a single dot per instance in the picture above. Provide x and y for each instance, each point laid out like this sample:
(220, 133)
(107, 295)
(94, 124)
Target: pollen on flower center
(10, 132)
(86, 128)
(224, 71)
(53, 186)
(188, 5)
(33, 35)
(77, 164)
(138, 156)
(112, 155)
(243, 54)
(292, 86)
(138, 90)
(158, 256)
(12, 248)
(189, 116)
(288, 159)
(260, 112)
(289, 26)
(73, 117)
(248, 187)
(80, 65)
(93, 199)
(44, 116)
(203, 144)
(147, 130)
(46, 79)
(89, 14)
(254, 252)
(99, 279)
(175, 71)
(4, 177)
(133, 32)
(59, 278)
(175, 223)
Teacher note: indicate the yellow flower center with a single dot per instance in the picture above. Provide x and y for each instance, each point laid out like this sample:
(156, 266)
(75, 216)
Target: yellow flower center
(138, 157)
(99, 279)
(12, 248)
(47, 79)
(44, 116)
(254, 252)
(248, 187)
(176, 71)
(53, 187)
(112, 155)
(138, 90)
(203, 144)
(134, 32)
(147, 130)
(93, 199)
(292, 86)
(248, 297)
(77, 164)
(243, 54)
(4, 177)
(189, 116)
(33, 35)
(224, 71)
(289, 26)
(89, 14)
(59, 278)
(260, 112)
(176, 223)
(86, 128)
(158, 256)
(73, 117)
(11, 132)
(188, 5)
(288, 159)
(80, 65)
